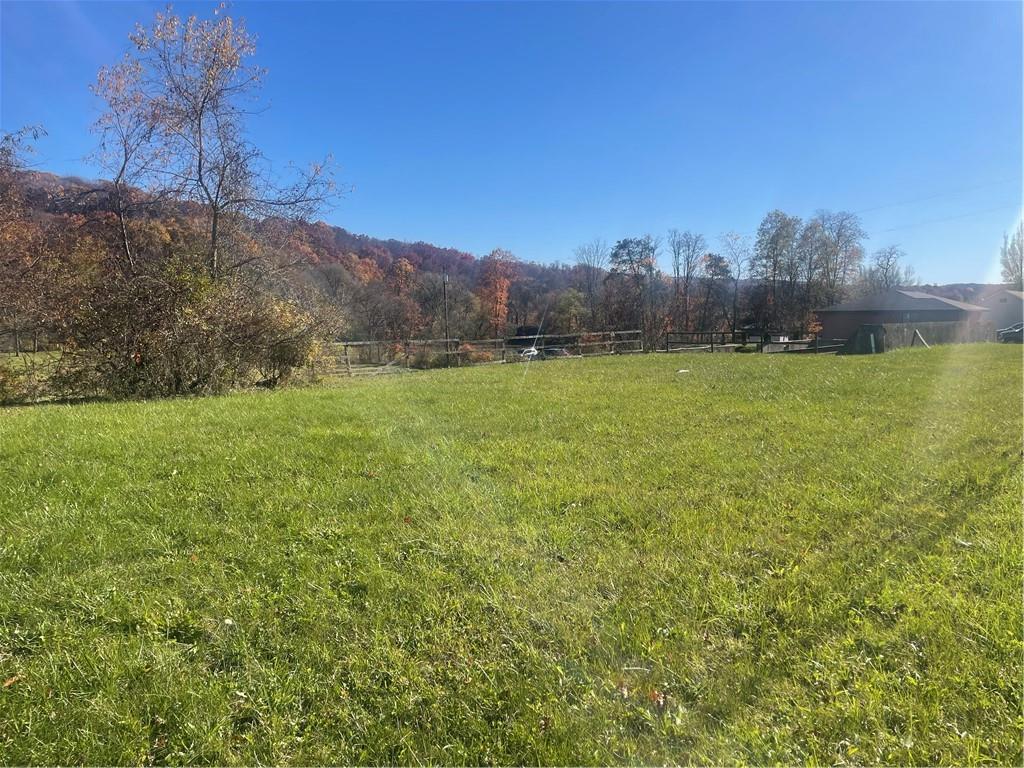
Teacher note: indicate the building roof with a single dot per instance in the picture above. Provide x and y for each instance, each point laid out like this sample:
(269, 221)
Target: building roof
(1000, 292)
(901, 300)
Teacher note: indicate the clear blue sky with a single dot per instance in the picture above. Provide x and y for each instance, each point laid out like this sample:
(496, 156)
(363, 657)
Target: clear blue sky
(535, 126)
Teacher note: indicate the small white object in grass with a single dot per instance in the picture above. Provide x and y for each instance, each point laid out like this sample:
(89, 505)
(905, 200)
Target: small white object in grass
(228, 623)
(682, 370)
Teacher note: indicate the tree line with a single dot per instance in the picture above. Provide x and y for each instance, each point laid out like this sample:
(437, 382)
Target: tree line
(774, 280)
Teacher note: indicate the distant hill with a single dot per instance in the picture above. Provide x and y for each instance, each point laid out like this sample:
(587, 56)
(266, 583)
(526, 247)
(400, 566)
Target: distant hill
(329, 243)
(333, 244)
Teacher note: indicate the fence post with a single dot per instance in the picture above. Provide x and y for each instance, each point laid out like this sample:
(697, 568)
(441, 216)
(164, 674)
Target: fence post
(348, 363)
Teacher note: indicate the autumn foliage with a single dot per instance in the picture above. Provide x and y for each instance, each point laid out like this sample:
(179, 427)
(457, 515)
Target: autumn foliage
(193, 268)
(172, 278)
(497, 271)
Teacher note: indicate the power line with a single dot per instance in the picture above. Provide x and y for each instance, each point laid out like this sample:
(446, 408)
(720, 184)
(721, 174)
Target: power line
(925, 199)
(937, 195)
(949, 218)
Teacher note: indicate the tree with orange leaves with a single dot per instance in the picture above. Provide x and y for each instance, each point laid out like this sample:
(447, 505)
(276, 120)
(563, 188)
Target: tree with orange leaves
(20, 241)
(496, 272)
(400, 277)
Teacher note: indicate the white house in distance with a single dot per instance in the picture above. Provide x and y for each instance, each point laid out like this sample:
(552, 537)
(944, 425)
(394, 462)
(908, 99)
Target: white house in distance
(1005, 307)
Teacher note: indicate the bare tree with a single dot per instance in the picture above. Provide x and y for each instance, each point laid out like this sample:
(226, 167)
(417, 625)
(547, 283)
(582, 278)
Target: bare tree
(737, 253)
(840, 250)
(886, 271)
(592, 258)
(175, 124)
(687, 250)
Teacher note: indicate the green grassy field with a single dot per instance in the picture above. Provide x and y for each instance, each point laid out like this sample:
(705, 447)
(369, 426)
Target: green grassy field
(790, 559)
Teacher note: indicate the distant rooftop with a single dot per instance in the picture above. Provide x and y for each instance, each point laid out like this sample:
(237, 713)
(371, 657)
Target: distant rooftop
(902, 300)
(999, 290)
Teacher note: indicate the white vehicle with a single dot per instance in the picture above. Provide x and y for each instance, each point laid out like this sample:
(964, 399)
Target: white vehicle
(529, 353)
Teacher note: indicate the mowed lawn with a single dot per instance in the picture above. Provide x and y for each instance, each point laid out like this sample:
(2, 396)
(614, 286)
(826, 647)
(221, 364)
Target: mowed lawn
(766, 559)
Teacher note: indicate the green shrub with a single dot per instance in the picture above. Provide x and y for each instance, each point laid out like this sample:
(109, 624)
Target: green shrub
(181, 334)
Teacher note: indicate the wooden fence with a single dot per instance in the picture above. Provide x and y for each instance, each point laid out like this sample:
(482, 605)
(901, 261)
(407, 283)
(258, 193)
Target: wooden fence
(359, 358)
(728, 341)
(356, 358)
(702, 341)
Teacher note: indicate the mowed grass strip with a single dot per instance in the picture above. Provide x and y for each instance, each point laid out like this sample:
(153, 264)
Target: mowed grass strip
(766, 559)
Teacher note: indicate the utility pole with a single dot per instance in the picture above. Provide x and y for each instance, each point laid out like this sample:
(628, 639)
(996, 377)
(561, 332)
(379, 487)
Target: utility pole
(447, 336)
